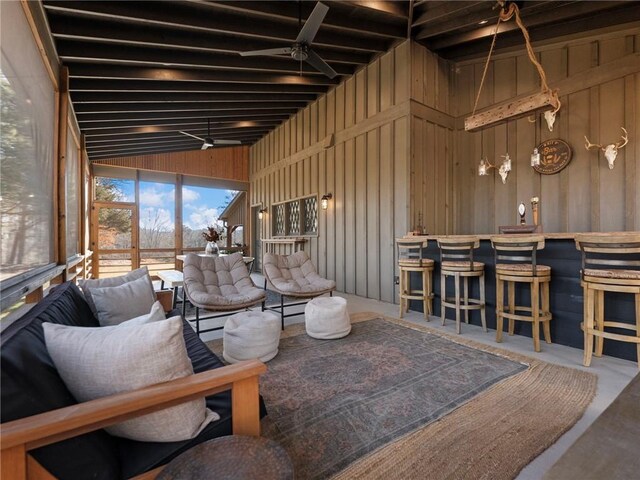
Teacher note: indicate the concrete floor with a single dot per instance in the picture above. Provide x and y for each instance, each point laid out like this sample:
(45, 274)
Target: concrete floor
(613, 373)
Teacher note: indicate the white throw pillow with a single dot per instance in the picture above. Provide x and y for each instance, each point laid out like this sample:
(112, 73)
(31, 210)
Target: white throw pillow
(114, 305)
(88, 285)
(156, 313)
(102, 361)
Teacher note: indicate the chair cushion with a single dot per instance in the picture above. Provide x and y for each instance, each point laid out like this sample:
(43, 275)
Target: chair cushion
(462, 266)
(524, 269)
(98, 362)
(295, 274)
(416, 262)
(87, 285)
(224, 282)
(613, 274)
(30, 384)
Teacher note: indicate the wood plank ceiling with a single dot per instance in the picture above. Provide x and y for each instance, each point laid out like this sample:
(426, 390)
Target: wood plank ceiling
(141, 71)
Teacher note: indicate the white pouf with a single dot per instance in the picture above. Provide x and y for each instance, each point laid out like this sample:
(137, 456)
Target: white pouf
(250, 335)
(327, 318)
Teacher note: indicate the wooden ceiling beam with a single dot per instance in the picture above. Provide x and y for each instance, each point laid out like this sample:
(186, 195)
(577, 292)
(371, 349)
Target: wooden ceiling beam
(163, 135)
(444, 10)
(100, 30)
(117, 72)
(187, 145)
(89, 127)
(151, 152)
(191, 17)
(95, 99)
(149, 129)
(549, 16)
(85, 51)
(397, 8)
(84, 109)
(90, 119)
(169, 86)
(341, 16)
(168, 141)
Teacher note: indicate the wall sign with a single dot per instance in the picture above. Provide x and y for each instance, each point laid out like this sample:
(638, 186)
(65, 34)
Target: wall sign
(555, 154)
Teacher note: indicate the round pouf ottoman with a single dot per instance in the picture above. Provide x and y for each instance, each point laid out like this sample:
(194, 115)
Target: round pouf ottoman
(327, 318)
(250, 335)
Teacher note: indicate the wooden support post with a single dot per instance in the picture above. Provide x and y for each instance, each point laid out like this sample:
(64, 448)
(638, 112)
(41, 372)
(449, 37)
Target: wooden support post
(511, 110)
(178, 241)
(35, 296)
(245, 405)
(13, 463)
(63, 126)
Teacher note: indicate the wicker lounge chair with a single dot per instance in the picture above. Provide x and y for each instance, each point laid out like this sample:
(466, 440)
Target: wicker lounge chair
(219, 284)
(293, 276)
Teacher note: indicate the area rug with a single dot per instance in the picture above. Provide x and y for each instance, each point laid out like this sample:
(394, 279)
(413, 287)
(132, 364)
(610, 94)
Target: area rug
(398, 400)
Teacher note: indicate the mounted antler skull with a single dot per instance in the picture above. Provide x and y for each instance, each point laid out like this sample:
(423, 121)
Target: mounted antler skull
(611, 150)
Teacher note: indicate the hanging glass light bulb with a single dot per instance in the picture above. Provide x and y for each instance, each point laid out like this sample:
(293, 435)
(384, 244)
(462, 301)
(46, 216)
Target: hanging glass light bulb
(535, 158)
(483, 167)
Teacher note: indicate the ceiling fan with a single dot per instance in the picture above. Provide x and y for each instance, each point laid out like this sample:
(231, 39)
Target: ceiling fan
(301, 48)
(210, 142)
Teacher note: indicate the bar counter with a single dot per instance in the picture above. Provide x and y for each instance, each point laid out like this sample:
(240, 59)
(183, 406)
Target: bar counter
(566, 301)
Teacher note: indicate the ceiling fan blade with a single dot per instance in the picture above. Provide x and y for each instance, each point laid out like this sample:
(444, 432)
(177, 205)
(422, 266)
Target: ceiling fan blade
(227, 142)
(204, 146)
(268, 51)
(312, 25)
(189, 135)
(319, 64)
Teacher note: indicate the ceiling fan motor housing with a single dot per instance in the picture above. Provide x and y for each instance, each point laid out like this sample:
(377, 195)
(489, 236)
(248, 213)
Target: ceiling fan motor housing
(300, 51)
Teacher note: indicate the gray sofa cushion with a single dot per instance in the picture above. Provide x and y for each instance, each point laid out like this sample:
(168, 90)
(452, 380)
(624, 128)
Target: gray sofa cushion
(219, 282)
(115, 305)
(295, 274)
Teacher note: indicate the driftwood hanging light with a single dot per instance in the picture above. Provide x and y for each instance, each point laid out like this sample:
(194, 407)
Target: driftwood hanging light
(546, 99)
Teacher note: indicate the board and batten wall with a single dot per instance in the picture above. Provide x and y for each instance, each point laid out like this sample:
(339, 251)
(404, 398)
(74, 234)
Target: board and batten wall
(354, 142)
(599, 81)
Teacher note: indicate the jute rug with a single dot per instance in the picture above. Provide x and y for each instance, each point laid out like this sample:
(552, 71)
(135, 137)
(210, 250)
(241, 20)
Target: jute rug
(399, 400)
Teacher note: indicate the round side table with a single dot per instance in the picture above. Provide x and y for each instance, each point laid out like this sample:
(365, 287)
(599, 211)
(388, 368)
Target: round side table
(234, 457)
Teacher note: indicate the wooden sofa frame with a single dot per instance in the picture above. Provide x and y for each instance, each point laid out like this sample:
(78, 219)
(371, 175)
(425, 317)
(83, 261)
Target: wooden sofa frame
(19, 436)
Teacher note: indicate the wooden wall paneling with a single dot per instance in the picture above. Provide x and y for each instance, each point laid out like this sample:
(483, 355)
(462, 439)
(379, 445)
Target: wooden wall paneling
(415, 187)
(322, 215)
(387, 69)
(386, 214)
(361, 95)
(440, 185)
(464, 169)
(340, 206)
(428, 175)
(340, 107)
(373, 92)
(349, 216)
(402, 73)
(312, 188)
(360, 243)
(442, 82)
(401, 152)
(633, 155)
(349, 102)
(419, 79)
(373, 249)
(331, 185)
(314, 125)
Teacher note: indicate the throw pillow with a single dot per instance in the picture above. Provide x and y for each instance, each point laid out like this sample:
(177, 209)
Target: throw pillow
(116, 304)
(156, 313)
(87, 285)
(102, 361)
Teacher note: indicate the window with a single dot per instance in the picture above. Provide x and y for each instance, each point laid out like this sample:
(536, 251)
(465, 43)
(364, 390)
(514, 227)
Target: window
(202, 206)
(27, 150)
(114, 190)
(157, 215)
(296, 217)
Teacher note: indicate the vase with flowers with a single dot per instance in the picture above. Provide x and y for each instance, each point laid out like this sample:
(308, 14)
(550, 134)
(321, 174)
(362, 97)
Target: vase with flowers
(211, 235)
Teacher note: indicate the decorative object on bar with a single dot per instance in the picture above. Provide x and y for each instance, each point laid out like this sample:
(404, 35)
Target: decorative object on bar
(505, 167)
(460, 249)
(609, 264)
(555, 155)
(324, 201)
(611, 150)
(211, 235)
(538, 276)
(411, 259)
(535, 158)
(522, 210)
(261, 213)
(535, 201)
(419, 229)
(546, 99)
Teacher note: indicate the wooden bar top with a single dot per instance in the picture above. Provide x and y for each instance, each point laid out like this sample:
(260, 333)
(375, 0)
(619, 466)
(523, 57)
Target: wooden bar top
(487, 236)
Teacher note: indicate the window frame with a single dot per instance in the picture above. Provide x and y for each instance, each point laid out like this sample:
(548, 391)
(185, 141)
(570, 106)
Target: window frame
(301, 222)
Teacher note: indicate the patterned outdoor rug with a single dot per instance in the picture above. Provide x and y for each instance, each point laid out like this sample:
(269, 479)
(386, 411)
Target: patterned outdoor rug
(337, 404)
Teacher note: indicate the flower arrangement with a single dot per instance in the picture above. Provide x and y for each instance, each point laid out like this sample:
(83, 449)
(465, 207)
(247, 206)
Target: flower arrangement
(211, 234)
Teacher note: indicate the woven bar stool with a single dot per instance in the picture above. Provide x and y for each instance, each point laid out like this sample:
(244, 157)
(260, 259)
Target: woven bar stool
(410, 259)
(611, 250)
(538, 276)
(456, 260)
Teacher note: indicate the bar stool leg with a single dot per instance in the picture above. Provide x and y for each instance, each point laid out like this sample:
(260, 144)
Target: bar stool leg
(466, 299)
(457, 291)
(511, 286)
(401, 289)
(588, 324)
(545, 310)
(499, 308)
(599, 313)
(443, 296)
(535, 313)
(638, 326)
(430, 291)
(425, 294)
(483, 316)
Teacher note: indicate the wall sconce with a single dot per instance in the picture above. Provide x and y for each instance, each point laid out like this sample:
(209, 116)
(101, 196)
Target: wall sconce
(535, 158)
(324, 201)
(261, 213)
(503, 170)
